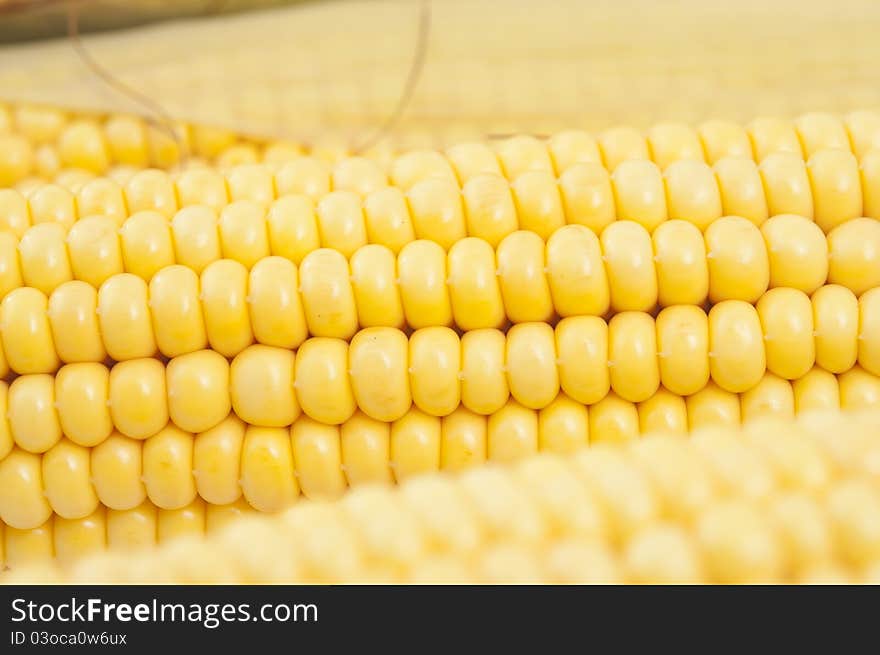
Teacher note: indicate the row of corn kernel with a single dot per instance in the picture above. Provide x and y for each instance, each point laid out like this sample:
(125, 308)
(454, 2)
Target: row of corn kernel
(775, 502)
(573, 272)
(665, 143)
(68, 540)
(734, 342)
(271, 466)
(130, 140)
(830, 188)
(473, 287)
(41, 141)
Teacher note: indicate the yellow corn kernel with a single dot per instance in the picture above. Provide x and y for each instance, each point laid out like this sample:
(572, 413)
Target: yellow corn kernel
(787, 321)
(374, 283)
(94, 250)
(23, 505)
(663, 412)
(304, 175)
(26, 332)
(168, 468)
(739, 267)
(15, 214)
(629, 261)
(563, 426)
(198, 386)
(771, 397)
(786, 184)
(138, 397)
(82, 395)
(216, 461)
(639, 193)
(132, 529)
(327, 296)
(388, 219)
(613, 420)
(117, 472)
(681, 264)
(32, 413)
(683, 349)
(691, 192)
(741, 188)
(202, 186)
(582, 349)
(525, 289)
(127, 140)
(736, 346)
(45, 263)
(224, 299)
(378, 369)
(797, 251)
(538, 203)
(151, 190)
(854, 254)
(587, 197)
(261, 381)
(817, 390)
(415, 444)
(618, 144)
(317, 458)
(147, 244)
(818, 131)
(836, 327)
(78, 539)
(81, 144)
(836, 187)
(195, 236)
(253, 183)
(52, 204)
(474, 291)
(67, 480)
(176, 312)
(670, 142)
(576, 273)
(434, 366)
(490, 212)
(366, 450)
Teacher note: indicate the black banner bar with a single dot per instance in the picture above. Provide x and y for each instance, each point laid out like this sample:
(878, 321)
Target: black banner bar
(412, 619)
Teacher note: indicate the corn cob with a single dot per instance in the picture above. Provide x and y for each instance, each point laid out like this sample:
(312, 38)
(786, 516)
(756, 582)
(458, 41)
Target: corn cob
(271, 466)
(777, 502)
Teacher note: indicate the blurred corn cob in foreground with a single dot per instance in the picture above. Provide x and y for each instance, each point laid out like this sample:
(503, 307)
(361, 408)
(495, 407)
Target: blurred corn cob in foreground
(777, 502)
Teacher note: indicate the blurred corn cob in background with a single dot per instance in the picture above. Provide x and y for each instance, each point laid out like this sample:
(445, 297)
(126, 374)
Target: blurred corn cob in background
(335, 70)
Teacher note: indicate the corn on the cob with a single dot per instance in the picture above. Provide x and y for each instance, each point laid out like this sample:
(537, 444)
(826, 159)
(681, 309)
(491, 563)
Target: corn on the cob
(777, 502)
(271, 466)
